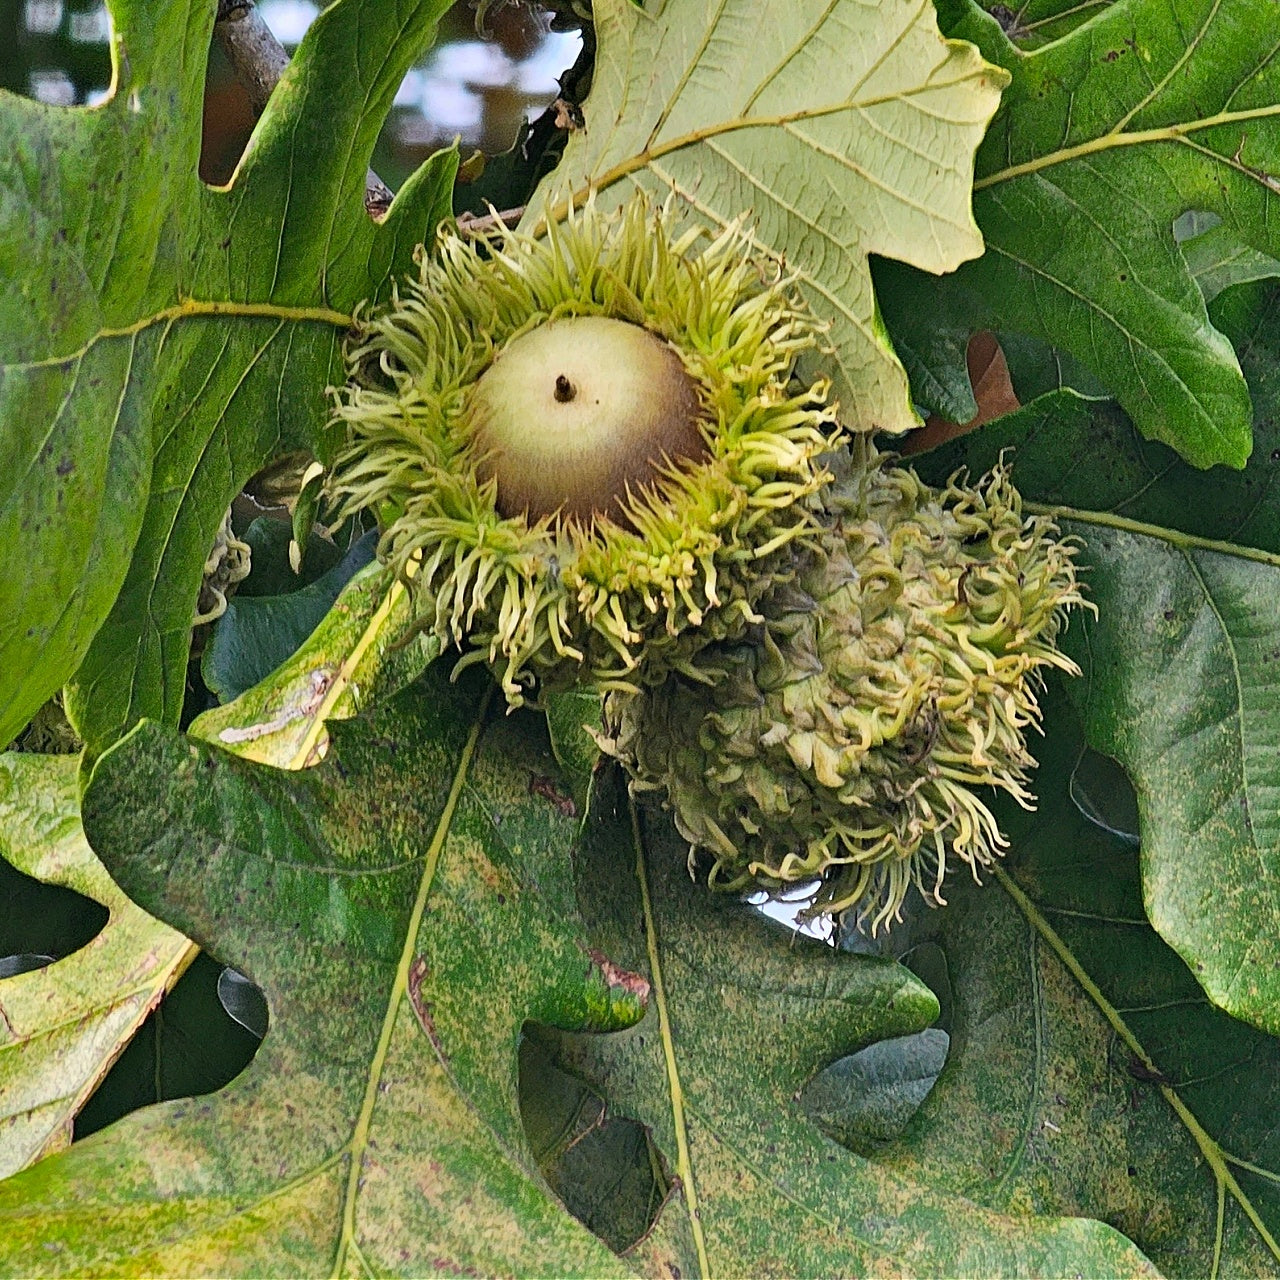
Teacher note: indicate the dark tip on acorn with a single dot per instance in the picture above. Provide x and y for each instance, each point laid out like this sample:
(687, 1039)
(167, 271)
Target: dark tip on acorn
(565, 390)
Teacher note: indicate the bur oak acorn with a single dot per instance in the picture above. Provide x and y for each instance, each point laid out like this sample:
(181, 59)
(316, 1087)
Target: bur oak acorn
(589, 450)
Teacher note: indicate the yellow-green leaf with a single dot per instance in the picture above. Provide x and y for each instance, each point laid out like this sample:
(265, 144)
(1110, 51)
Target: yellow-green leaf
(61, 1027)
(364, 646)
(839, 128)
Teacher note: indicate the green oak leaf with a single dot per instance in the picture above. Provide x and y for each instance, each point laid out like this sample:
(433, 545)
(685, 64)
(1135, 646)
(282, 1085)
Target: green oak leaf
(62, 1026)
(1180, 663)
(165, 338)
(1104, 138)
(1087, 1072)
(366, 647)
(405, 906)
(1033, 23)
(1216, 257)
(741, 1017)
(839, 128)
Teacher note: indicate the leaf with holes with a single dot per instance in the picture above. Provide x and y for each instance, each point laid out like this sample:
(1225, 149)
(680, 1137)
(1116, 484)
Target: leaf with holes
(742, 1015)
(1104, 138)
(166, 338)
(405, 906)
(839, 128)
(1088, 1074)
(1180, 661)
(61, 1027)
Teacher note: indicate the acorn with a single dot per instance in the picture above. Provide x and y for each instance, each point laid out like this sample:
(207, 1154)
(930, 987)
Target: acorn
(845, 738)
(589, 450)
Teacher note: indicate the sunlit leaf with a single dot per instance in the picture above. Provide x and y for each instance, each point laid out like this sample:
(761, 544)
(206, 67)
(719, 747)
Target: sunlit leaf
(405, 906)
(838, 128)
(1105, 137)
(164, 338)
(63, 1025)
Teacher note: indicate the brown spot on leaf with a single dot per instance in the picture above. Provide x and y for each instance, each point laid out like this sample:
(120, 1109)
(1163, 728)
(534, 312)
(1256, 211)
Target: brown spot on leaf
(634, 984)
(422, 1010)
(545, 788)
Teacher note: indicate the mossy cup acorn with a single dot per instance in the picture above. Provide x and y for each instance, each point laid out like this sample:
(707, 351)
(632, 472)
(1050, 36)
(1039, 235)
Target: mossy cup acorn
(587, 446)
(845, 736)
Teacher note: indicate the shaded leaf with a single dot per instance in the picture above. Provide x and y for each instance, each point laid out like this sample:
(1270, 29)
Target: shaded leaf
(270, 573)
(63, 1025)
(603, 1167)
(243, 1002)
(187, 1047)
(165, 338)
(840, 128)
(1088, 1074)
(1103, 139)
(572, 718)
(870, 1096)
(257, 633)
(743, 1014)
(406, 906)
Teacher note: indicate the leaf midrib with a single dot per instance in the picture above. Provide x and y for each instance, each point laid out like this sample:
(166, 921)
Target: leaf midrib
(684, 1162)
(190, 309)
(1215, 1155)
(656, 151)
(399, 988)
(1110, 141)
(1173, 537)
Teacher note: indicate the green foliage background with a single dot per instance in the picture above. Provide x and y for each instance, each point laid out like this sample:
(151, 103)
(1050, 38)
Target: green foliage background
(507, 1034)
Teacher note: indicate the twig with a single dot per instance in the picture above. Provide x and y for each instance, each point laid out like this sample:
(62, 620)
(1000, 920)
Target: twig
(479, 224)
(258, 60)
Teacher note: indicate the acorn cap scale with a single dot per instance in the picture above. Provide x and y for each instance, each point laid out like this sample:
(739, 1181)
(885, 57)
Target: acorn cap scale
(579, 414)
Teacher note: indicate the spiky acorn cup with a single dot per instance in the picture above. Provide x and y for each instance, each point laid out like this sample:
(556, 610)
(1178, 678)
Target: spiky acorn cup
(587, 447)
(842, 737)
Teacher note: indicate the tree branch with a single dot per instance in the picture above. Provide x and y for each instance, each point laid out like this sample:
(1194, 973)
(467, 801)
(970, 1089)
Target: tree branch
(473, 224)
(258, 60)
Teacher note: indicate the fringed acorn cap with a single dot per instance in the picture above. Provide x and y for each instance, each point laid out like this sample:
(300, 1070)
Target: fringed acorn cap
(842, 738)
(582, 445)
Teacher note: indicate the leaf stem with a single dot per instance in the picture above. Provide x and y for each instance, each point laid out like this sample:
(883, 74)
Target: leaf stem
(399, 987)
(684, 1165)
(1212, 1152)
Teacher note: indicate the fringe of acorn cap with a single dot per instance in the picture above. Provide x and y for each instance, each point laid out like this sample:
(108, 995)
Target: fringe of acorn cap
(544, 598)
(996, 658)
